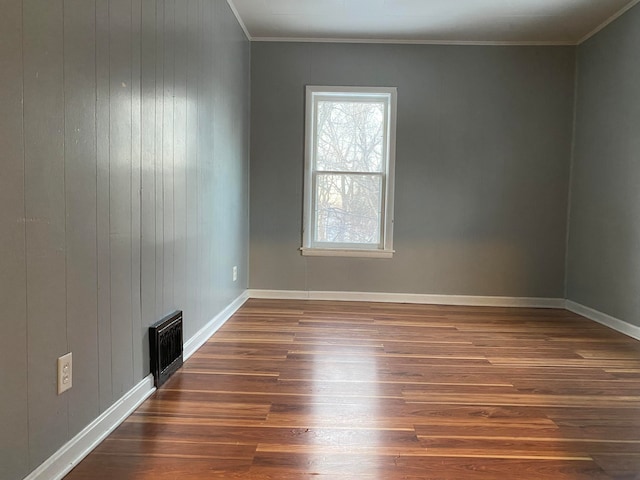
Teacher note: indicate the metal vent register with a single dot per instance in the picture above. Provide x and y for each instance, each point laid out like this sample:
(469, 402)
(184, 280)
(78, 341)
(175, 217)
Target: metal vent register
(165, 342)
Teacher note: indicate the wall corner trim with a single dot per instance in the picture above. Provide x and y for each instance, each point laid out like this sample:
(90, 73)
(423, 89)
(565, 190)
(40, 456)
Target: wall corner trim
(621, 326)
(71, 453)
(201, 337)
(429, 299)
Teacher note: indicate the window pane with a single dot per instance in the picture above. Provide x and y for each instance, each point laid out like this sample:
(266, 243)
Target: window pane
(350, 136)
(348, 208)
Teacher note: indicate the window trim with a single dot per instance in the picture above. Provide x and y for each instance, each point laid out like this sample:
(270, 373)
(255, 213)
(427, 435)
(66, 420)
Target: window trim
(385, 248)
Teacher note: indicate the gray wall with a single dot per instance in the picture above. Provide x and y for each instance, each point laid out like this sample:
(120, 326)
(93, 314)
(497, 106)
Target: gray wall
(482, 169)
(123, 196)
(604, 241)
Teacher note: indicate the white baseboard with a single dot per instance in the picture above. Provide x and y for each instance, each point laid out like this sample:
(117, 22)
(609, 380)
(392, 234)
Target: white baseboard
(469, 300)
(607, 320)
(71, 453)
(463, 300)
(201, 337)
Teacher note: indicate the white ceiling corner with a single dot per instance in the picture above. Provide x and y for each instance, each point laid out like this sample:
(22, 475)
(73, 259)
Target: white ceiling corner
(609, 20)
(239, 18)
(510, 22)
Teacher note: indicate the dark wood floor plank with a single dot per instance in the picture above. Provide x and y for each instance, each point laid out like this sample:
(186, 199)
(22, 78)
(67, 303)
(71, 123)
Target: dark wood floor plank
(353, 390)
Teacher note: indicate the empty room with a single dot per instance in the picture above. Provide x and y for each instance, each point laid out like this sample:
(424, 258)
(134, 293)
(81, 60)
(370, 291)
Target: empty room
(320, 239)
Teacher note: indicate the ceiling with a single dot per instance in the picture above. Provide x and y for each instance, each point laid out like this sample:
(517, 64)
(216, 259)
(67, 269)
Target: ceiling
(557, 22)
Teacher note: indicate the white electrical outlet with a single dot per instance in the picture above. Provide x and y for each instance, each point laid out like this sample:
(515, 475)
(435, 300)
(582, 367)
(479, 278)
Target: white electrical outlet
(235, 273)
(65, 370)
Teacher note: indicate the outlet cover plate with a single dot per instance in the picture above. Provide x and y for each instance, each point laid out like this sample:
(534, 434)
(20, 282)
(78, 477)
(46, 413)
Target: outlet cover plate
(65, 370)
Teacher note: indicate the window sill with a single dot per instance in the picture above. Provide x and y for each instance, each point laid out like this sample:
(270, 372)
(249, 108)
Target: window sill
(342, 252)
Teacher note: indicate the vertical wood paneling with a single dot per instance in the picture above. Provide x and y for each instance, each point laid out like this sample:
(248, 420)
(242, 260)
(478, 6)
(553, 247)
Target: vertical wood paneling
(45, 223)
(103, 218)
(106, 200)
(13, 395)
(205, 160)
(159, 157)
(120, 194)
(210, 165)
(193, 52)
(200, 153)
(167, 155)
(148, 132)
(244, 47)
(224, 140)
(80, 183)
(180, 154)
(231, 207)
(219, 213)
(136, 201)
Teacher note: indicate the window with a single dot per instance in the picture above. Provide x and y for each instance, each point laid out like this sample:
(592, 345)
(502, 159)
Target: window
(349, 166)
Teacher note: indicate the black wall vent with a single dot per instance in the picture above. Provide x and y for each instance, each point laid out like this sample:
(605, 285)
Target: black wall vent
(165, 342)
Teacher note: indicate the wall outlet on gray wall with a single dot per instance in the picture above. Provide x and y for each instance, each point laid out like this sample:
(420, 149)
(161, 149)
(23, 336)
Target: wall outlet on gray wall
(65, 370)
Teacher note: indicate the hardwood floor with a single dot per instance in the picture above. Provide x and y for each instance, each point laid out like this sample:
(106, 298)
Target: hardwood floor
(335, 390)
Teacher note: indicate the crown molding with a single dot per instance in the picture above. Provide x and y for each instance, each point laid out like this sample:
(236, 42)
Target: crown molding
(391, 41)
(399, 41)
(239, 19)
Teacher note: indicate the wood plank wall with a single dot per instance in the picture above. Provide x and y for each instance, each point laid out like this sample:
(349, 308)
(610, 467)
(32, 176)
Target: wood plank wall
(123, 196)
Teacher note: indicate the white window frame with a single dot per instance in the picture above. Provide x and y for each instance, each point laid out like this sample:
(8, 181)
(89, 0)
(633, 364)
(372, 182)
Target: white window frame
(385, 248)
